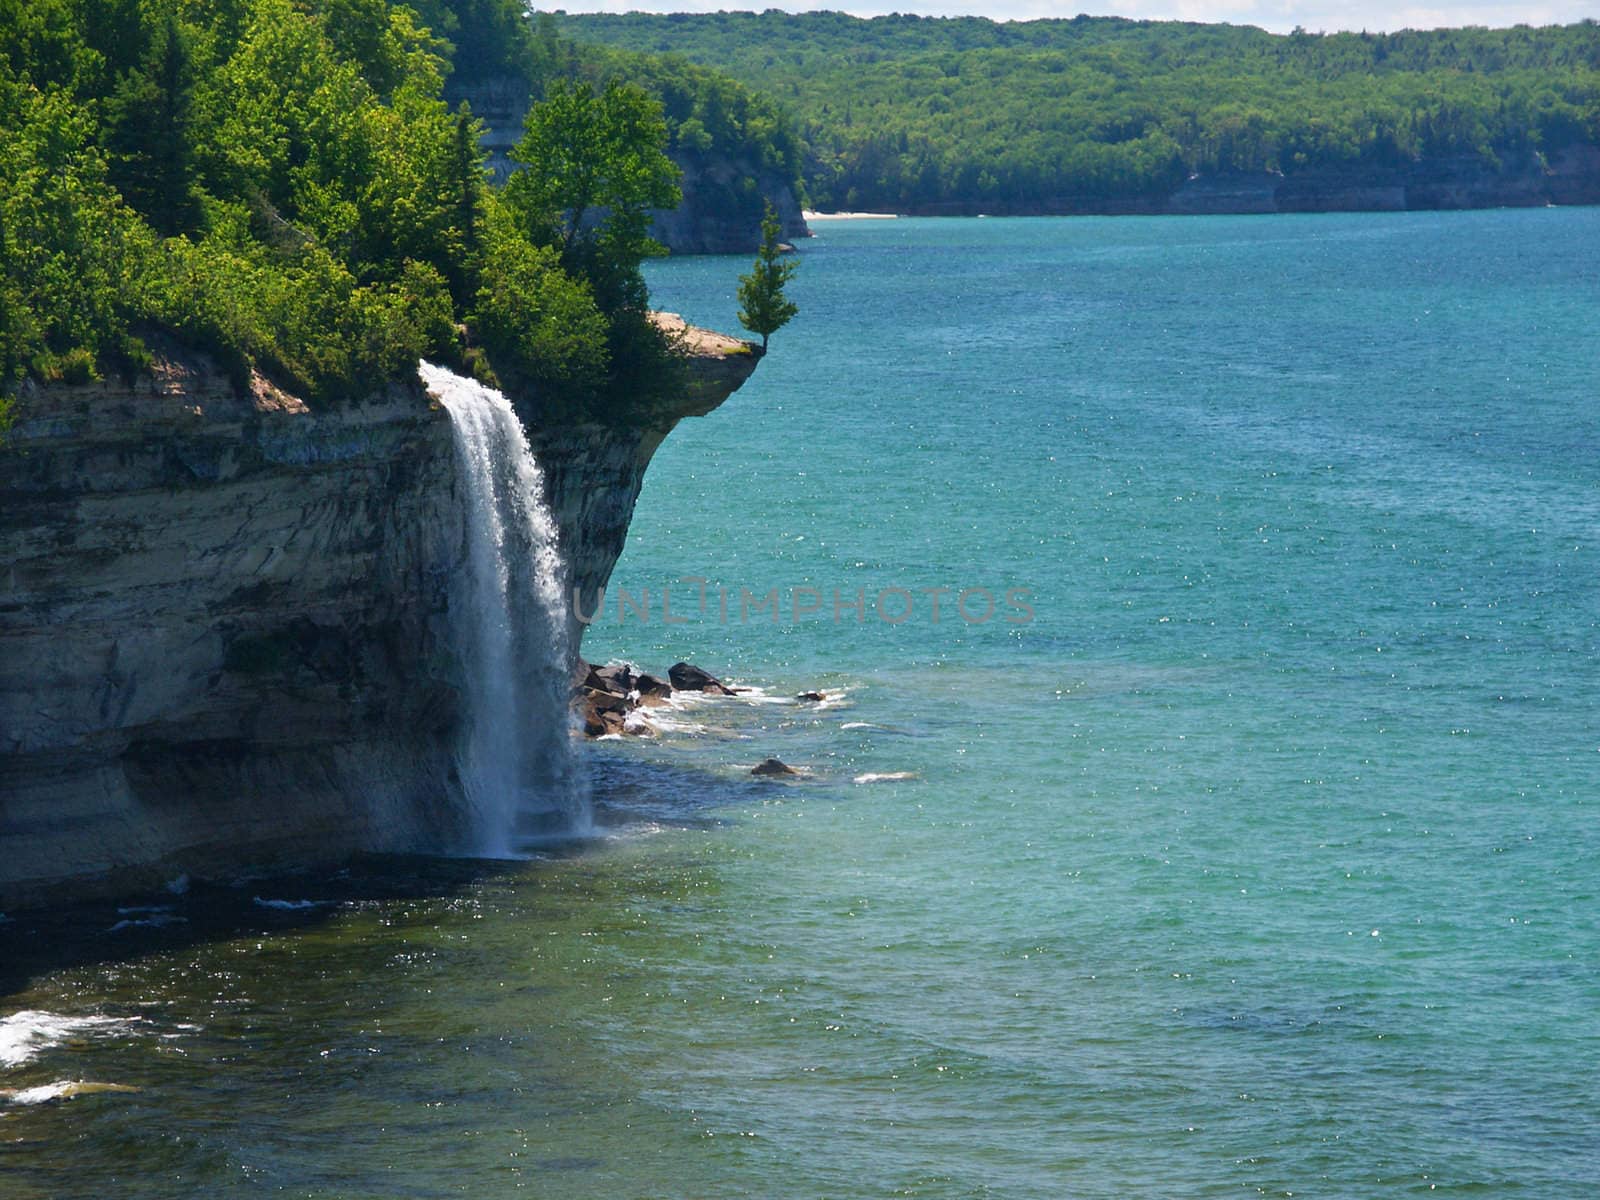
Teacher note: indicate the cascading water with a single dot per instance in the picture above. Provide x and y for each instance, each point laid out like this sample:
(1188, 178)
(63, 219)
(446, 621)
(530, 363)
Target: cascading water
(517, 763)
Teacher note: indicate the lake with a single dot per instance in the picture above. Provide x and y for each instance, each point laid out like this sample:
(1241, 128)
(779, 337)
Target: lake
(1231, 831)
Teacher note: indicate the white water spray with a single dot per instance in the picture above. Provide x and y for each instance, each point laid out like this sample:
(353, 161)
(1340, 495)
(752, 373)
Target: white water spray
(517, 762)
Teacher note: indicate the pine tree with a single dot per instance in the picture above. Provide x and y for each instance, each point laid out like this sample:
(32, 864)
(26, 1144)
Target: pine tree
(466, 169)
(764, 309)
(150, 136)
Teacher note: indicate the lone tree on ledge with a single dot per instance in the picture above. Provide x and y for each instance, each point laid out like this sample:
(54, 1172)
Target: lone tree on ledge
(764, 309)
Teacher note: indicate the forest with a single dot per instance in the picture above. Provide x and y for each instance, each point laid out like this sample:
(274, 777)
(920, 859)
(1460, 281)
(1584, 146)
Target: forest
(706, 111)
(283, 184)
(910, 112)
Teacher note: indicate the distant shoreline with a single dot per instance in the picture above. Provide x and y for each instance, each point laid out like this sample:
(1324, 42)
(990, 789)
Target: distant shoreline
(1570, 177)
(810, 216)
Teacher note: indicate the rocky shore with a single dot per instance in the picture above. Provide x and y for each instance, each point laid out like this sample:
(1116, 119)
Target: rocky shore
(616, 699)
(606, 697)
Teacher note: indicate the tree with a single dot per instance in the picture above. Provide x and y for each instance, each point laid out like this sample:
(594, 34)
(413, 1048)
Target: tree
(594, 165)
(764, 308)
(151, 145)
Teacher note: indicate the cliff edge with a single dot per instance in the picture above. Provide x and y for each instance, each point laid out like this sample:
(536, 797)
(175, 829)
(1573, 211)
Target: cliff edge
(225, 620)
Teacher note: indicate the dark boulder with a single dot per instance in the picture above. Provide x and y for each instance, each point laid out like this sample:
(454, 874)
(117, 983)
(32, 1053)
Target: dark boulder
(618, 677)
(815, 697)
(688, 678)
(602, 712)
(652, 689)
(601, 701)
(772, 766)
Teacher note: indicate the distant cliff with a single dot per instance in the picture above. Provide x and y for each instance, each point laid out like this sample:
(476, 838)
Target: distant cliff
(1569, 176)
(722, 195)
(225, 622)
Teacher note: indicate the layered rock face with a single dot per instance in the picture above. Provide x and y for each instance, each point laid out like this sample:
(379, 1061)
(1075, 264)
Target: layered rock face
(225, 622)
(723, 206)
(1567, 176)
(593, 473)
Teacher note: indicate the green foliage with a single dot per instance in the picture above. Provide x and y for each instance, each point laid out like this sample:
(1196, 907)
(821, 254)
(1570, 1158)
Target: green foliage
(594, 166)
(534, 318)
(763, 307)
(713, 123)
(706, 112)
(73, 257)
(966, 114)
(281, 183)
(486, 37)
(148, 118)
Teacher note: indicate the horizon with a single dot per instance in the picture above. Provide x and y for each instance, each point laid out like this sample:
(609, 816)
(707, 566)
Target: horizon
(1283, 16)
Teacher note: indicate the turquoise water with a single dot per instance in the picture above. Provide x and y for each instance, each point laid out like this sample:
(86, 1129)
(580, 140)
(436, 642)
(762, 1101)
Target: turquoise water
(1262, 860)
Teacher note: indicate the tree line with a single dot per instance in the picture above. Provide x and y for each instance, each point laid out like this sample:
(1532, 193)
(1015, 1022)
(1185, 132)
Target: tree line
(282, 183)
(909, 112)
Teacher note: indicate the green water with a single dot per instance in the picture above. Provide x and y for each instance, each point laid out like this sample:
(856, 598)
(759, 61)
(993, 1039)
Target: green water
(1262, 860)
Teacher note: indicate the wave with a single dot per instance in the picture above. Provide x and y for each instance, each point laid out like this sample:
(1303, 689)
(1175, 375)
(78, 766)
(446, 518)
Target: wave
(66, 1089)
(885, 776)
(27, 1034)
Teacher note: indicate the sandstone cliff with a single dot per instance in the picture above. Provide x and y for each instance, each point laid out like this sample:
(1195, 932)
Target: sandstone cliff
(1567, 176)
(225, 638)
(1570, 176)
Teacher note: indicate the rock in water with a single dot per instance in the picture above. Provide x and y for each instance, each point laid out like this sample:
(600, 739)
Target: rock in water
(605, 701)
(687, 678)
(652, 690)
(773, 766)
(814, 697)
(618, 677)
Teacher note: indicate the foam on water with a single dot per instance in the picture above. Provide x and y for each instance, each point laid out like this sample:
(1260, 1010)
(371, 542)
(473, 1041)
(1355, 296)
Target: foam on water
(64, 1089)
(517, 762)
(27, 1034)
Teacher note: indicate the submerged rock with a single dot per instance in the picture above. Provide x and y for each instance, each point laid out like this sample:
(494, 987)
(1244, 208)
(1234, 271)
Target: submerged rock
(773, 766)
(813, 697)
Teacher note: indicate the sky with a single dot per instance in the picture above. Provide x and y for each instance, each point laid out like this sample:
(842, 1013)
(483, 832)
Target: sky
(1280, 16)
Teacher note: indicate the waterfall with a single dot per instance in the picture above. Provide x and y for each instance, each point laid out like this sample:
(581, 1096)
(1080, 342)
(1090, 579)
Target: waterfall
(517, 762)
